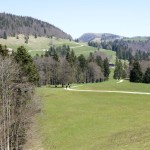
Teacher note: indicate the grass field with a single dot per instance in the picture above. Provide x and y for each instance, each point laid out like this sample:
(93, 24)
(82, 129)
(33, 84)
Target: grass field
(95, 121)
(38, 43)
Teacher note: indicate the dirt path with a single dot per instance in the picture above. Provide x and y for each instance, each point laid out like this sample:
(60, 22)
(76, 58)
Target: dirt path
(105, 91)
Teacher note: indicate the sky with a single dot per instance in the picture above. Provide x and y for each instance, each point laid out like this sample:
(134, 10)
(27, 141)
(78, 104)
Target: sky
(122, 17)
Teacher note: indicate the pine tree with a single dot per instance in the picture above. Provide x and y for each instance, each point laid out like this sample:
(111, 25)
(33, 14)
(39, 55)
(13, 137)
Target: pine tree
(146, 78)
(55, 56)
(68, 57)
(5, 35)
(106, 68)
(24, 59)
(73, 57)
(136, 73)
(82, 62)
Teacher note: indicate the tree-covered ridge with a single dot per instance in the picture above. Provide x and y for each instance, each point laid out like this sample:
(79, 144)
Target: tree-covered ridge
(12, 25)
(126, 50)
(101, 36)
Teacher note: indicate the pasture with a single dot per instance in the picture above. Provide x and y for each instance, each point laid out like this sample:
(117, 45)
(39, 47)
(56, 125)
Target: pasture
(73, 120)
(40, 44)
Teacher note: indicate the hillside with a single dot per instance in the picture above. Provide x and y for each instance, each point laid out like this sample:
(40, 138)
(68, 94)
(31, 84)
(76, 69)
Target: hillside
(35, 45)
(40, 44)
(99, 36)
(12, 25)
(140, 45)
(107, 41)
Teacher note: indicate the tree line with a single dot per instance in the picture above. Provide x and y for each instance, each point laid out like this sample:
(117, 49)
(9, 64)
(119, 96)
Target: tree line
(126, 50)
(60, 65)
(18, 77)
(136, 71)
(136, 74)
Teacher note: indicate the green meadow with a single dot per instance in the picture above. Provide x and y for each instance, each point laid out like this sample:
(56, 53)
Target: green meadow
(73, 120)
(35, 44)
(40, 44)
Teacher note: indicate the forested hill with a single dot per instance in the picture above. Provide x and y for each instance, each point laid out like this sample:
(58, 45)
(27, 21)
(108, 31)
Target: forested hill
(99, 36)
(11, 25)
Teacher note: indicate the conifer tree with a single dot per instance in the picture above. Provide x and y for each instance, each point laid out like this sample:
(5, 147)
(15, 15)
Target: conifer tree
(136, 73)
(55, 56)
(146, 78)
(24, 59)
(106, 68)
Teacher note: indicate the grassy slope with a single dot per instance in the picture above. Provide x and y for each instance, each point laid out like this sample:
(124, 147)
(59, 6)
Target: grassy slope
(95, 121)
(39, 44)
(87, 49)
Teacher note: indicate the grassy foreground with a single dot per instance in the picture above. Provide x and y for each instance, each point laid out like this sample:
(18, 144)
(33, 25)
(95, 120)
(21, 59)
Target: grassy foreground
(95, 121)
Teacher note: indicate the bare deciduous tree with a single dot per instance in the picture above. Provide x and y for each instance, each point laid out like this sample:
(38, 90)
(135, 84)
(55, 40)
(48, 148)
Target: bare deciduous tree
(16, 106)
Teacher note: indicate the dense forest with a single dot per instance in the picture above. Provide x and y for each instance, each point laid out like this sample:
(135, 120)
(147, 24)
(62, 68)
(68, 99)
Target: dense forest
(12, 25)
(126, 50)
(61, 66)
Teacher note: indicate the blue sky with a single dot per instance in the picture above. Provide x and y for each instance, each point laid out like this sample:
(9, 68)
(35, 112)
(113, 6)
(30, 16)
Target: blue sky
(126, 17)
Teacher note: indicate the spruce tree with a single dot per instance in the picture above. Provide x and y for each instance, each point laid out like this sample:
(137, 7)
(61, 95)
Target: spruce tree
(146, 78)
(82, 62)
(73, 57)
(136, 73)
(106, 68)
(68, 57)
(55, 56)
(24, 59)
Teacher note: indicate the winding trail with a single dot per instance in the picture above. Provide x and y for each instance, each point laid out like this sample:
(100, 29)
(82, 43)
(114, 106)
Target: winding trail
(105, 91)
